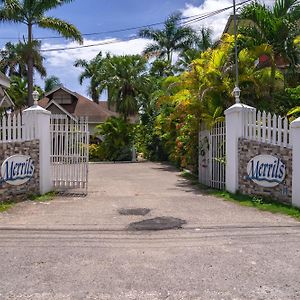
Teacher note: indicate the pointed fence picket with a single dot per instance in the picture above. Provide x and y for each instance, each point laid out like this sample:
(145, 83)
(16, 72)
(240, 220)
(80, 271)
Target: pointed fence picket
(263, 127)
(12, 129)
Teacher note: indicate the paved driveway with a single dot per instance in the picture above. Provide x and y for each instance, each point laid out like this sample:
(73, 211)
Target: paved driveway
(80, 248)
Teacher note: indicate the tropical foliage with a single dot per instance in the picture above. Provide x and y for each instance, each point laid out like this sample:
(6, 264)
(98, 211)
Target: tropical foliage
(14, 59)
(91, 70)
(173, 38)
(51, 83)
(277, 28)
(18, 91)
(33, 13)
(182, 79)
(117, 142)
(122, 77)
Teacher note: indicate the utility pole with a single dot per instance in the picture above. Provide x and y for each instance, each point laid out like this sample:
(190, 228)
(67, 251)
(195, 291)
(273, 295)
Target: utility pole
(236, 90)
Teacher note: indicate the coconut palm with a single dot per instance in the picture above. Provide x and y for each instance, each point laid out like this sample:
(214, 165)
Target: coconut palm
(125, 79)
(14, 59)
(92, 70)
(18, 90)
(168, 40)
(51, 83)
(277, 27)
(202, 42)
(32, 13)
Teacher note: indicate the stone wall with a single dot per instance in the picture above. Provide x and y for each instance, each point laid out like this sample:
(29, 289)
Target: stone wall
(249, 149)
(20, 192)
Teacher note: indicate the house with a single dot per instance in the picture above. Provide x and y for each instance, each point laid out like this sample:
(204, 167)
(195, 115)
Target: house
(63, 101)
(5, 101)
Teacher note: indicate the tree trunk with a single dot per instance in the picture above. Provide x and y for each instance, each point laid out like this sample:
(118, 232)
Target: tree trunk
(30, 67)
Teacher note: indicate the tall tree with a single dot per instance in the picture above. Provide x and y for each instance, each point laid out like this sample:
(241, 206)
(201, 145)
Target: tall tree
(125, 79)
(18, 90)
(277, 27)
(172, 38)
(32, 13)
(92, 70)
(14, 59)
(51, 83)
(202, 42)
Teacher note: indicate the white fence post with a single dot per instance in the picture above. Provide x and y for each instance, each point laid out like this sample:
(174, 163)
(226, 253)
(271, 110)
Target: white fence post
(295, 139)
(235, 122)
(37, 124)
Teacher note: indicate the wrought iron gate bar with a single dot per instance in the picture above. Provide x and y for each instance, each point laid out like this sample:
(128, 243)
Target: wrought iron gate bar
(69, 154)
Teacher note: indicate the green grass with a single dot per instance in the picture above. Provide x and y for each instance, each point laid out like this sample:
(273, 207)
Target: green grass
(43, 198)
(4, 206)
(245, 200)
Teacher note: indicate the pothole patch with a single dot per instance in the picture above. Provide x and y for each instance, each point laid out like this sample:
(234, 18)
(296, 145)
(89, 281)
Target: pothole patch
(159, 223)
(134, 211)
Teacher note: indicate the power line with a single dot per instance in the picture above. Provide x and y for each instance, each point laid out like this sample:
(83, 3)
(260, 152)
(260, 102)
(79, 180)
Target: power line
(189, 20)
(106, 32)
(195, 19)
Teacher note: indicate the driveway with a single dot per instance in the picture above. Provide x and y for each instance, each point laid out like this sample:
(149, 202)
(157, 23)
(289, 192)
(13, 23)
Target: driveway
(81, 248)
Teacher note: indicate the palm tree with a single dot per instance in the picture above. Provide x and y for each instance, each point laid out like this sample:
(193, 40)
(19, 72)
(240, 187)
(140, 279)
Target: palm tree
(32, 13)
(51, 83)
(168, 40)
(125, 79)
(277, 27)
(118, 139)
(14, 59)
(202, 42)
(92, 70)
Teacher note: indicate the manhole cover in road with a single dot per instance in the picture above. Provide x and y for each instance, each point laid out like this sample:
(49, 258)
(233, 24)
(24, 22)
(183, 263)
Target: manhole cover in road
(134, 211)
(160, 223)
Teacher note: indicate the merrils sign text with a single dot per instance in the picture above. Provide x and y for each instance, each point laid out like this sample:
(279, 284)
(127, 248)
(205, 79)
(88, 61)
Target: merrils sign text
(266, 170)
(17, 169)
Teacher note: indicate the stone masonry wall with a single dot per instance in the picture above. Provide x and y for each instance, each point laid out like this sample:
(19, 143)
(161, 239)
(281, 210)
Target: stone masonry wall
(248, 150)
(20, 192)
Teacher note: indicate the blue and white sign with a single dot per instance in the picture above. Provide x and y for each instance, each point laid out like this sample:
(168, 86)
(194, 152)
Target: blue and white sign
(17, 169)
(266, 170)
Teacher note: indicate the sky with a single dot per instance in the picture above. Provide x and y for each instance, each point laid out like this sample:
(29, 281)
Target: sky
(98, 16)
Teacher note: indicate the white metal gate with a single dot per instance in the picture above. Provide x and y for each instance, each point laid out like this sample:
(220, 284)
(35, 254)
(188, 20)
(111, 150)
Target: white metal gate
(69, 154)
(212, 156)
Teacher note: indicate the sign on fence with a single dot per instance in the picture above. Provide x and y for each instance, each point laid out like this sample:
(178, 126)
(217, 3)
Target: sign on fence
(266, 170)
(17, 169)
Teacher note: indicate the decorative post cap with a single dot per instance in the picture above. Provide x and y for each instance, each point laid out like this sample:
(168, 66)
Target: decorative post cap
(236, 93)
(35, 96)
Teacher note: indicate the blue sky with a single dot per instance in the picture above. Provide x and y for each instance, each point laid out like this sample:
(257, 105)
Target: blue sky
(105, 15)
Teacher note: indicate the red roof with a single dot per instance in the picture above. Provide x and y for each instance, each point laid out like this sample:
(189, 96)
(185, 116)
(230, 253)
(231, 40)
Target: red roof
(82, 107)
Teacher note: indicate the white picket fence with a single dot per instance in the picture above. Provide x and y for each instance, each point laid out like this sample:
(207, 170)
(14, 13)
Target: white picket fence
(11, 128)
(266, 128)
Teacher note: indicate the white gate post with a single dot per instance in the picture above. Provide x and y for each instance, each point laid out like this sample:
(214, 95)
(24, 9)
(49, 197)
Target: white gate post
(37, 120)
(295, 138)
(234, 130)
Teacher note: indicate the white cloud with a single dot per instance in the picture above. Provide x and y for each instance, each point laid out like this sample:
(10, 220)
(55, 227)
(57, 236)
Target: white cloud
(113, 46)
(216, 23)
(60, 63)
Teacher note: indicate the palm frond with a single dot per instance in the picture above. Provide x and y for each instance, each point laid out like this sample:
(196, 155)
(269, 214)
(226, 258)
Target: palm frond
(64, 28)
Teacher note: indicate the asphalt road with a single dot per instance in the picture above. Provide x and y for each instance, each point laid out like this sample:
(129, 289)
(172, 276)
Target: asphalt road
(81, 248)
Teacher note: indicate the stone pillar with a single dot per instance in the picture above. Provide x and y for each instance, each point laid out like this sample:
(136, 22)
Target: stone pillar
(37, 125)
(234, 130)
(295, 138)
